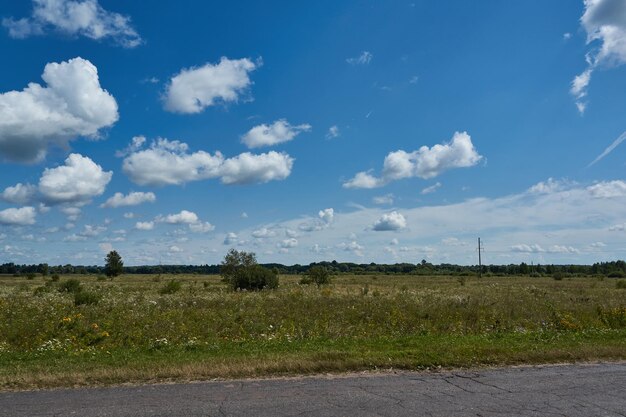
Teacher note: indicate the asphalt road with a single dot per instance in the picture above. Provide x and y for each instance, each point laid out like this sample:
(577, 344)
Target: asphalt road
(568, 390)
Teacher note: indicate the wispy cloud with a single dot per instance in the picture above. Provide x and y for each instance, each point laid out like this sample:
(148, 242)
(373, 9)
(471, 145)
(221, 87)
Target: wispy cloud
(363, 59)
(605, 22)
(610, 149)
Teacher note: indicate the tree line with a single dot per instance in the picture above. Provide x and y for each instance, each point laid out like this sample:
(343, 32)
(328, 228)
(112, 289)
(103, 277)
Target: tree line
(613, 268)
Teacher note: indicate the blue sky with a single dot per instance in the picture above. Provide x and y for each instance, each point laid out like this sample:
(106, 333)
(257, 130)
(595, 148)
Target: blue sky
(361, 131)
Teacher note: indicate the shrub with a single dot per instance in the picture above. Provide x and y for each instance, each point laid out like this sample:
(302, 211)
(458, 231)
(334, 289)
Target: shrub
(44, 289)
(621, 284)
(171, 287)
(55, 277)
(234, 261)
(557, 276)
(616, 274)
(71, 286)
(83, 297)
(31, 275)
(254, 278)
(365, 290)
(241, 271)
(317, 275)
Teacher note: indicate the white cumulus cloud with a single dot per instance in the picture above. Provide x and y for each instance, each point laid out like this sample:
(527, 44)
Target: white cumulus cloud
(77, 18)
(194, 89)
(608, 189)
(189, 218)
(71, 105)
(184, 217)
(144, 225)
(201, 227)
(364, 180)
(524, 248)
(132, 199)
(91, 231)
(353, 247)
(18, 216)
(562, 249)
(19, 193)
(288, 243)
(169, 163)
(230, 238)
(327, 215)
(247, 168)
(278, 132)
(424, 163)
(390, 221)
(79, 180)
(547, 187)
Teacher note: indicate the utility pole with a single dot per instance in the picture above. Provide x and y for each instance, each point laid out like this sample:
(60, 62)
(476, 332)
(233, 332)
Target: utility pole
(480, 264)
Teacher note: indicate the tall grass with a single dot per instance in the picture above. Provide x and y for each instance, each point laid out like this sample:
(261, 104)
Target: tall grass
(135, 314)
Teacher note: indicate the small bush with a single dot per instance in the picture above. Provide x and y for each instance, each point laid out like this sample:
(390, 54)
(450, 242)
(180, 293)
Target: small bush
(101, 278)
(254, 278)
(55, 277)
(84, 297)
(71, 285)
(621, 284)
(557, 276)
(31, 275)
(616, 274)
(317, 275)
(462, 279)
(171, 287)
(365, 290)
(44, 289)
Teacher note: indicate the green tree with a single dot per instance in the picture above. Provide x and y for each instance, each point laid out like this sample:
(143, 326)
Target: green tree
(113, 264)
(241, 271)
(523, 268)
(234, 261)
(317, 275)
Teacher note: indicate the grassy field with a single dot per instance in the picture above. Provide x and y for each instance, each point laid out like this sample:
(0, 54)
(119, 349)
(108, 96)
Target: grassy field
(143, 328)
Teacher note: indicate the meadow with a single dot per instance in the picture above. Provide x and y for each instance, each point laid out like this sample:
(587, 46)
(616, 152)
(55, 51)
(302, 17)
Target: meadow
(147, 328)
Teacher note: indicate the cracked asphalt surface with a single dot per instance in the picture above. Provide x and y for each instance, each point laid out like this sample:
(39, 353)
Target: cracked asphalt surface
(562, 390)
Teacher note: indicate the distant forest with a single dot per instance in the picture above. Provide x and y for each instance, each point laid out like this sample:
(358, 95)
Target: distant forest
(615, 269)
